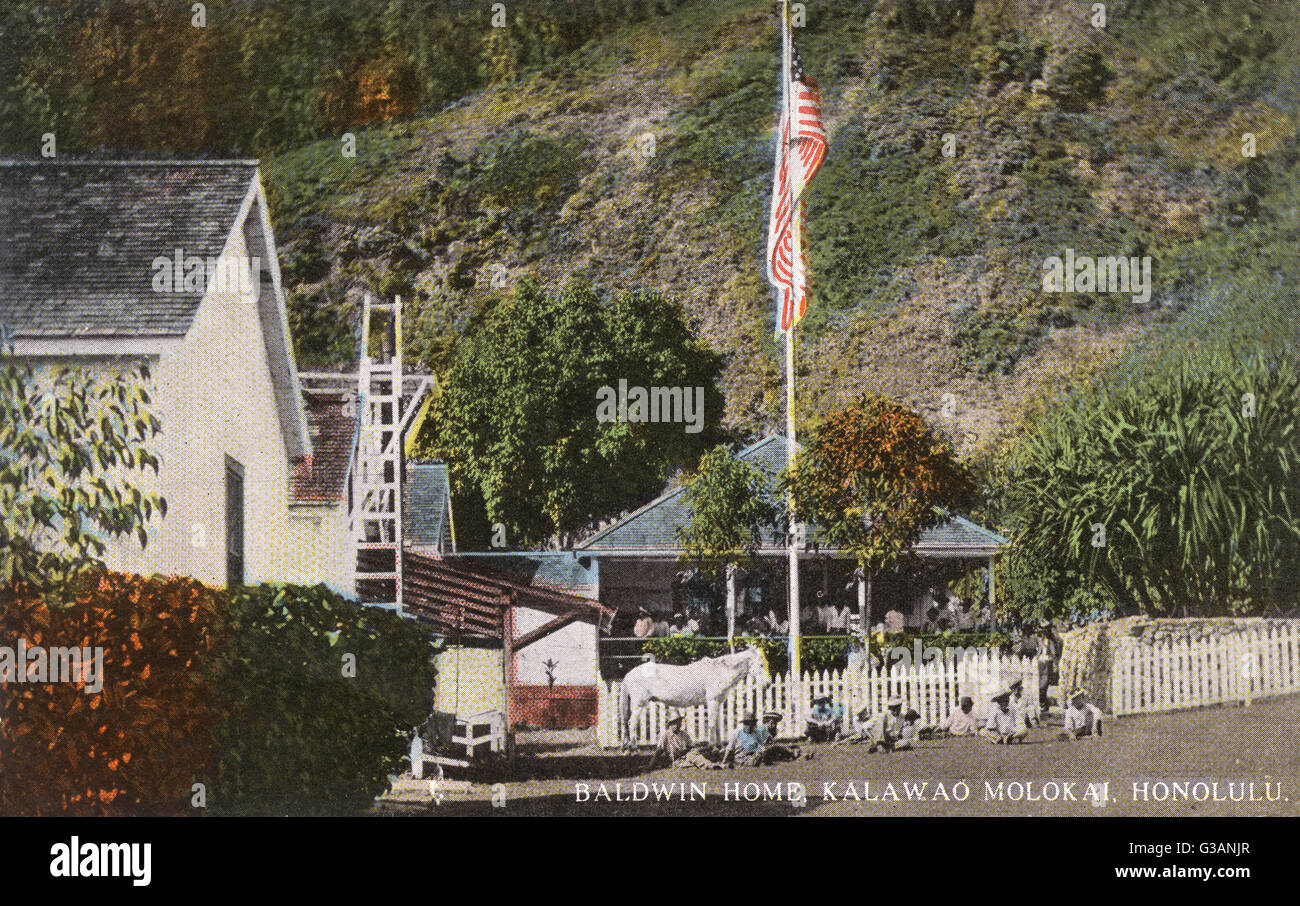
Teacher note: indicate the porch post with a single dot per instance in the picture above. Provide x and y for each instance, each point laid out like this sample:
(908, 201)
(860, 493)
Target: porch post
(863, 585)
(731, 604)
(992, 597)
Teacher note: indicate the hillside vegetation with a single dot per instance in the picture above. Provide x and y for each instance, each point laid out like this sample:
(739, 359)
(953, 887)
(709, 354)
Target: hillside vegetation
(645, 158)
(631, 144)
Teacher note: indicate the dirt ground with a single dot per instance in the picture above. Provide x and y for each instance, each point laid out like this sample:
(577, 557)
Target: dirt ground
(1179, 757)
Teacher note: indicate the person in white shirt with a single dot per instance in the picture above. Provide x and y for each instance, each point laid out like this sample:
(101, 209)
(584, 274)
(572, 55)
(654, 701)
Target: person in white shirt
(1001, 726)
(910, 731)
(962, 720)
(1082, 718)
(825, 612)
(840, 617)
(1026, 711)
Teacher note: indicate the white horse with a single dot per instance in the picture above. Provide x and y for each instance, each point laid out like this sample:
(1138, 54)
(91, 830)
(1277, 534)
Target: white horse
(705, 682)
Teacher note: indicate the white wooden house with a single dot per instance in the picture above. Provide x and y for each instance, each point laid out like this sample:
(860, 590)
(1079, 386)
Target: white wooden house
(253, 471)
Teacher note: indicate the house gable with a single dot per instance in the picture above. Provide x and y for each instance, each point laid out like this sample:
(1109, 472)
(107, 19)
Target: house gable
(77, 268)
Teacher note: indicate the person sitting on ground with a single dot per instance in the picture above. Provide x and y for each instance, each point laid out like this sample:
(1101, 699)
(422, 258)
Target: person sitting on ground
(1026, 711)
(961, 721)
(677, 625)
(1001, 726)
(1082, 718)
(775, 751)
(746, 745)
(645, 624)
(883, 729)
(824, 720)
(879, 731)
(690, 625)
(673, 744)
(910, 731)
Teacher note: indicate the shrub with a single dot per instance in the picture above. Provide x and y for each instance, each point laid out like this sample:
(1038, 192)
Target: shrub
(1169, 489)
(935, 17)
(1082, 78)
(816, 652)
(309, 730)
(134, 747)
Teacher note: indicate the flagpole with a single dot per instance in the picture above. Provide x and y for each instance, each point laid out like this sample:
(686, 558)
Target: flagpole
(792, 161)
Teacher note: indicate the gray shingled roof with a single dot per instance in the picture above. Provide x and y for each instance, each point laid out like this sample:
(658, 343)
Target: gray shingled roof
(541, 569)
(80, 238)
(654, 527)
(426, 504)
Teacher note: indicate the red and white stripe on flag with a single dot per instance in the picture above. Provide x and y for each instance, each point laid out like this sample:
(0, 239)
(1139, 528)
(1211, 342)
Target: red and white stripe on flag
(803, 153)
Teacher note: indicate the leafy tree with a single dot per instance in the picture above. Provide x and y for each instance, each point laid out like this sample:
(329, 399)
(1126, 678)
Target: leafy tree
(729, 506)
(518, 419)
(1174, 490)
(73, 448)
(873, 476)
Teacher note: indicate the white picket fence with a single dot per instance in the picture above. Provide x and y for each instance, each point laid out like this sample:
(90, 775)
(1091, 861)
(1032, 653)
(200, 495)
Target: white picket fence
(1169, 675)
(933, 689)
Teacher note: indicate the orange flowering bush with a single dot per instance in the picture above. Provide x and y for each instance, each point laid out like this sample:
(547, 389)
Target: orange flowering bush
(873, 476)
(125, 730)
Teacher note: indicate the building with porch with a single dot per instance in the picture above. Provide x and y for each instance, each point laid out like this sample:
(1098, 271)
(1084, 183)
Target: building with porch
(639, 567)
(634, 565)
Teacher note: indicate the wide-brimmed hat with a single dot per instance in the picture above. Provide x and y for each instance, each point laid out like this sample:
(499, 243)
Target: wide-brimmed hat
(821, 698)
(894, 702)
(1078, 693)
(1005, 693)
(749, 718)
(912, 714)
(772, 715)
(675, 720)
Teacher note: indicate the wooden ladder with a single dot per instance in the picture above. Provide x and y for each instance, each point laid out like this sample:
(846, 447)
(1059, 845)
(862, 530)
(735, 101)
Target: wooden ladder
(376, 503)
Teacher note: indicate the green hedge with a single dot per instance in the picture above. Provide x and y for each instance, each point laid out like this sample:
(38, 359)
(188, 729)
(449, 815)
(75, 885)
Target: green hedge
(817, 653)
(308, 730)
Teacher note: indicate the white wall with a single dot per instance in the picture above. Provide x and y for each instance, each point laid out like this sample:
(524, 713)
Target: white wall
(469, 681)
(213, 396)
(572, 647)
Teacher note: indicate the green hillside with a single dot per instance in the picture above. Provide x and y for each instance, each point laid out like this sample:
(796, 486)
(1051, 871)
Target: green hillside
(645, 158)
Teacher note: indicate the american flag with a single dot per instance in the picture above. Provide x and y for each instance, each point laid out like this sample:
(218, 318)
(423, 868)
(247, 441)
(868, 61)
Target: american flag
(806, 149)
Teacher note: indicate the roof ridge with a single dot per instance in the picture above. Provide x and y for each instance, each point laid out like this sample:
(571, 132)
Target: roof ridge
(668, 495)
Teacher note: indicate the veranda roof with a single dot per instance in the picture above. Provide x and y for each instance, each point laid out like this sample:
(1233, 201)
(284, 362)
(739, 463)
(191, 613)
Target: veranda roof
(652, 530)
